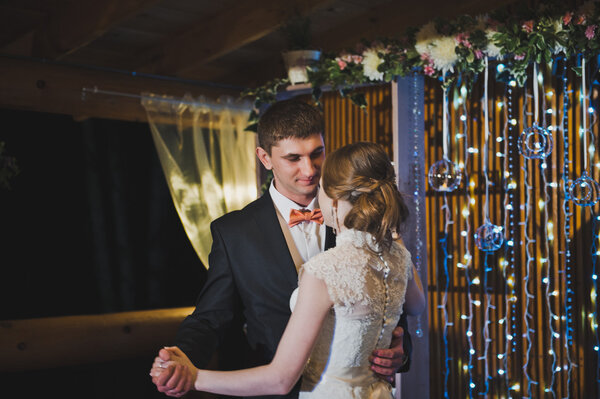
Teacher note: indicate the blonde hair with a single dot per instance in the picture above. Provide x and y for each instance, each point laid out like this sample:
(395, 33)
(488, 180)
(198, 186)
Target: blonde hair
(362, 174)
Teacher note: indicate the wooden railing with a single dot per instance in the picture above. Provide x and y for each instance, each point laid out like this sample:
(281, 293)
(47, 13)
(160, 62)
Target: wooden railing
(42, 343)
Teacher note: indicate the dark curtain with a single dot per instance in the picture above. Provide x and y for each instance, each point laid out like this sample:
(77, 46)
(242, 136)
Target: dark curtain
(88, 227)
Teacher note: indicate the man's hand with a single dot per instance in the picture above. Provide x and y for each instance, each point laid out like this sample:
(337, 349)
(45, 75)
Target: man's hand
(386, 362)
(172, 372)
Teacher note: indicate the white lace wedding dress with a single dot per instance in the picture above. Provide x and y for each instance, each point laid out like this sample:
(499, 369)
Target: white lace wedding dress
(368, 293)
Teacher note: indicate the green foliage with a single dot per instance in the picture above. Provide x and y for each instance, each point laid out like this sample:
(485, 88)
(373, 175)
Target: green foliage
(517, 36)
(263, 95)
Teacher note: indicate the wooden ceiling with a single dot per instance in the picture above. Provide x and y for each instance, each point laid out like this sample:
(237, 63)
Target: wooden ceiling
(214, 46)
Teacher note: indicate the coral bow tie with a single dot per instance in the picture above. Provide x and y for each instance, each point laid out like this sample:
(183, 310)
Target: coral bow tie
(297, 216)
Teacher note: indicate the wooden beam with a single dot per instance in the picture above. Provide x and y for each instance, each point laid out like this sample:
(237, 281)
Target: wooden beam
(55, 88)
(392, 20)
(37, 344)
(75, 23)
(218, 35)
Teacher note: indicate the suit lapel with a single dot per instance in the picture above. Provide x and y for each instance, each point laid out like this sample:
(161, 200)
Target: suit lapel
(268, 226)
(329, 238)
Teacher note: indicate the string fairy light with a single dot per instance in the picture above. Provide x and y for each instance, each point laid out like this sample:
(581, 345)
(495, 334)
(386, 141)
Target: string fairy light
(584, 191)
(488, 237)
(594, 313)
(528, 241)
(546, 260)
(461, 111)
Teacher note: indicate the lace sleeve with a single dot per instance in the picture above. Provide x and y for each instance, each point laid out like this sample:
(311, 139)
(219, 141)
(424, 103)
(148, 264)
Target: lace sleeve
(399, 251)
(342, 271)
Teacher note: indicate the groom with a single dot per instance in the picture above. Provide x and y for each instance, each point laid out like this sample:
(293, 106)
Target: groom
(243, 307)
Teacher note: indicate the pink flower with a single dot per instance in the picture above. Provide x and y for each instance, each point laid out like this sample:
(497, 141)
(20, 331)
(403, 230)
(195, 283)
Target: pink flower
(567, 18)
(463, 38)
(519, 57)
(528, 26)
(478, 54)
(428, 70)
(341, 63)
(357, 59)
(590, 32)
(580, 19)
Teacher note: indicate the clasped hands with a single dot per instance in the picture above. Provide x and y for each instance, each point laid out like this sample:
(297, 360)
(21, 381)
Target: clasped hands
(174, 374)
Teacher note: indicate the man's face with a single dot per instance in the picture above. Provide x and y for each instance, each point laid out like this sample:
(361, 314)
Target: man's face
(296, 165)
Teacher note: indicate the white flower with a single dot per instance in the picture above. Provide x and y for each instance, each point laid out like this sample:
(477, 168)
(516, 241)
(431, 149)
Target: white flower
(442, 53)
(558, 25)
(425, 37)
(370, 63)
(440, 49)
(492, 50)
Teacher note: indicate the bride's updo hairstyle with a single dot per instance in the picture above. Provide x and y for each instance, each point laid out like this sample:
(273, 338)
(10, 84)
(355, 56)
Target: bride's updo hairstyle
(362, 174)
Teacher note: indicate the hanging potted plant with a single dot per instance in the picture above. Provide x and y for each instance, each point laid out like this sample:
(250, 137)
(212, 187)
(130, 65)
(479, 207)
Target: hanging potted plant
(298, 55)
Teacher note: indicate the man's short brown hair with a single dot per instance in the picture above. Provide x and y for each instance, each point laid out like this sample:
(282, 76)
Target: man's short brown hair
(288, 119)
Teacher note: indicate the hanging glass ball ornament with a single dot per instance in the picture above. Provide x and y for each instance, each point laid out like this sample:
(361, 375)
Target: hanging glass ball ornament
(419, 332)
(535, 142)
(444, 176)
(489, 237)
(584, 191)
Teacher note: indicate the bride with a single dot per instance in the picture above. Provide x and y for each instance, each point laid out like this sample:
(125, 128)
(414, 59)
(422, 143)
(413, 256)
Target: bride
(349, 298)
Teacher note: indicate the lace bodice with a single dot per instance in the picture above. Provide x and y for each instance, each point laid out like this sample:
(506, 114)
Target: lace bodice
(368, 292)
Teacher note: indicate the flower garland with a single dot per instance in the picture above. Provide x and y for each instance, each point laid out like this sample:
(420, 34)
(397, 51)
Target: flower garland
(455, 49)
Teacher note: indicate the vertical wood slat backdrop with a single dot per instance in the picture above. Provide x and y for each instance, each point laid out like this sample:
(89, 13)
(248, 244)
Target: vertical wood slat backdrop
(346, 123)
(539, 252)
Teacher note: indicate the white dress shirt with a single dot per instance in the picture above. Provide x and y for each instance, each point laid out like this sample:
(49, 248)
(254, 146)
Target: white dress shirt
(309, 237)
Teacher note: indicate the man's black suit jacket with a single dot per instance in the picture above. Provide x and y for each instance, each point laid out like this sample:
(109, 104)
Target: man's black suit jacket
(243, 307)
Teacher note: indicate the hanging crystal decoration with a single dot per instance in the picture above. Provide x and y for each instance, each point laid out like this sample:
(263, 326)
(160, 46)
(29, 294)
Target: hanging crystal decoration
(444, 175)
(535, 142)
(488, 236)
(584, 191)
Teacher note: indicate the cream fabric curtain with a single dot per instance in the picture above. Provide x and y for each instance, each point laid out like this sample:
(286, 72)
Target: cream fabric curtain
(207, 158)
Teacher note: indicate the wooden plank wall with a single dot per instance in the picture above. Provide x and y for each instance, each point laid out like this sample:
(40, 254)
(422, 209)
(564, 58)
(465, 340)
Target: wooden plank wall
(522, 288)
(345, 123)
